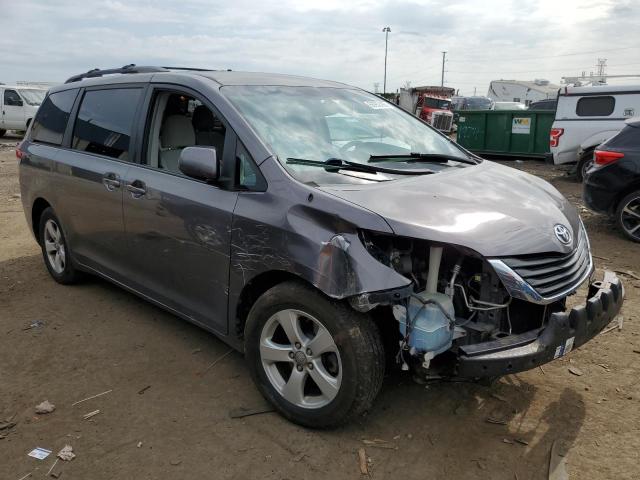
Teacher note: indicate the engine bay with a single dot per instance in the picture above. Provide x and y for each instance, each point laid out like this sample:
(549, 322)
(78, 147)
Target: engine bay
(457, 300)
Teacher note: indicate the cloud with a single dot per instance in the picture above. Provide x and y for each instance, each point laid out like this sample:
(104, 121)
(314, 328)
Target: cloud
(321, 38)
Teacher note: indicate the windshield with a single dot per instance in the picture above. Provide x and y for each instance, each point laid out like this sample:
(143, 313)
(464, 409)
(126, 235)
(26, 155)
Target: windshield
(33, 97)
(336, 123)
(437, 103)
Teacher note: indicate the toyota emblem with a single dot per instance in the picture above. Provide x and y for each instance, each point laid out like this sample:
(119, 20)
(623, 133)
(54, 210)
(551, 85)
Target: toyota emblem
(563, 234)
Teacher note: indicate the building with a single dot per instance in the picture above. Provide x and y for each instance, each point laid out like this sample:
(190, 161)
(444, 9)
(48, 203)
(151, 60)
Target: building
(522, 91)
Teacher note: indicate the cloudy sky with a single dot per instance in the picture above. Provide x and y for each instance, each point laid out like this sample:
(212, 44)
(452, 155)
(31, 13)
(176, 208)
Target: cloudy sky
(49, 40)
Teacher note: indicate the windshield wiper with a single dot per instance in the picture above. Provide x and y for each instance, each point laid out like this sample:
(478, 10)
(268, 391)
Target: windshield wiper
(335, 164)
(422, 157)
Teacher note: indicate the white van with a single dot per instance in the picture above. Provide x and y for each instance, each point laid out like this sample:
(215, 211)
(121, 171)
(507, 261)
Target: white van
(586, 117)
(19, 105)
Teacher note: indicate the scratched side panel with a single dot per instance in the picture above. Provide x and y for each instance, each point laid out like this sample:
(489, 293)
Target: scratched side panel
(315, 239)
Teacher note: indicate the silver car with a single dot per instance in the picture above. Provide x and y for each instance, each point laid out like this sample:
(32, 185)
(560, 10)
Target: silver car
(314, 226)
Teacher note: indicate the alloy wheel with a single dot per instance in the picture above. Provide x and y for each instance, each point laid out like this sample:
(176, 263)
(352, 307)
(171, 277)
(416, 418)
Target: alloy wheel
(54, 246)
(301, 359)
(630, 217)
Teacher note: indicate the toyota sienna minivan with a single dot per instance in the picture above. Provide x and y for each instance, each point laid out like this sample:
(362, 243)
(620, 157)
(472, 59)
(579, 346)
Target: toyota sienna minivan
(314, 226)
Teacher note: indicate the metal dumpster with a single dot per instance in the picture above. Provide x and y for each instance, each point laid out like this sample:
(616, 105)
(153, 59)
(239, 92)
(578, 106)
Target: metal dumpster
(522, 133)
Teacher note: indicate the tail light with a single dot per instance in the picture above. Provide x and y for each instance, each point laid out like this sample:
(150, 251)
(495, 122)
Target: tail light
(19, 152)
(603, 157)
(554, 136)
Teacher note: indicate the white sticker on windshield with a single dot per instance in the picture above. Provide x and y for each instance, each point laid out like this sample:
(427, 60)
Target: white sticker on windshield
(377, 104)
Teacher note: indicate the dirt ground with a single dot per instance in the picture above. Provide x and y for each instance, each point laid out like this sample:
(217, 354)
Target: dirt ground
(168, 416)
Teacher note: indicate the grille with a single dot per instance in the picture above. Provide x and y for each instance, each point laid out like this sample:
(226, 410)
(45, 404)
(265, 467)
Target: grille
(551, 274)
(442, 121)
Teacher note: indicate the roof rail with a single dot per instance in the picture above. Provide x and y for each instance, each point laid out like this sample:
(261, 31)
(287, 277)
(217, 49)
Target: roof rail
(131, 68)
(191, 69)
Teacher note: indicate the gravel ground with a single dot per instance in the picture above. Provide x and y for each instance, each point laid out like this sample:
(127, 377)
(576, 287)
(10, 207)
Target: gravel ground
(167, 415)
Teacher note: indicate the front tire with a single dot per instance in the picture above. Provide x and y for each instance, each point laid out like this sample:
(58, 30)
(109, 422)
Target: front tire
(628, 216)
(316, 360)
(2, 132)
(55, 249)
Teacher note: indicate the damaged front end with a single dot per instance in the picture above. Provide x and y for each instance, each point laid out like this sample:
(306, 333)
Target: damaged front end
(465, 315)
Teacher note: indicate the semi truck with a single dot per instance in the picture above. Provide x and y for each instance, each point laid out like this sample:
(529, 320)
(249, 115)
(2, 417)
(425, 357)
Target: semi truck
(430, 103)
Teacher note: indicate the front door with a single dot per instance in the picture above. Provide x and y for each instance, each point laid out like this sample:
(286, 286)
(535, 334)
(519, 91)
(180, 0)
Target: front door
(179, 228)
(12, 110)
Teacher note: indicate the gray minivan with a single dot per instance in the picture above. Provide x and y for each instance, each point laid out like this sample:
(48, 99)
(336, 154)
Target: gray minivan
(314, 226)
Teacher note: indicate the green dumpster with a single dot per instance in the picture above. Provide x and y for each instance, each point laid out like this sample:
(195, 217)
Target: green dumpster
(522, 133)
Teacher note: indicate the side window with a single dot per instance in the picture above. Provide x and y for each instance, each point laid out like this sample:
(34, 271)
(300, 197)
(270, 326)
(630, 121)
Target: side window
(12, 99)
(105, 121)
(248, 174)
(52, 117)
(178, 121)
(595, 106)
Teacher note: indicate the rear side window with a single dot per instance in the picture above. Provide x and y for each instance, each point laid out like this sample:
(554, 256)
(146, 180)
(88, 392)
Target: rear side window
(52, 117)
(105, 122)
(628, 138)
(595, 106)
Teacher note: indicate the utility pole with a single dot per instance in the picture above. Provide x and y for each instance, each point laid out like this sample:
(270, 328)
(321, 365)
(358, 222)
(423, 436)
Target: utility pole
(386, 31)
(444, 55)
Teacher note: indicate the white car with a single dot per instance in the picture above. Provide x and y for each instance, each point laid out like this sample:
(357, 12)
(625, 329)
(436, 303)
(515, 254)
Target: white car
(19, 105)
(588, 116)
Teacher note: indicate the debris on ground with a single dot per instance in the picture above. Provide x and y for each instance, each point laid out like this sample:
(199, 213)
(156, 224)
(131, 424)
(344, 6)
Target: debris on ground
(139, 444)
(87, 416)
(34, 324)
(497, 421)
(576, 371)
(175, 463)
(26, 476)
(557, 463)
(66, 454)
(299, 457)
(45, 407)
(39, 453)
(92, 397)
(362, 460)
(144, 389)
(379, 443)
(499, 397)
(242, 412)
(617, 325)
(628, 273)
(216, 361)
(521, 441)
(53, 466)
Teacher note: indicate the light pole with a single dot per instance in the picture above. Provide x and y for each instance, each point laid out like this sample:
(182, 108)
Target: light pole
(444, 55)
(386, 31)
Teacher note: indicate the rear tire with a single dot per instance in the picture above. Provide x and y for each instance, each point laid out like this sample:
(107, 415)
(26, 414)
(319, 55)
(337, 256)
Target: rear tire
(55, 249)
(628, 216)
(338, 381)
(584, 164)
(2, 132)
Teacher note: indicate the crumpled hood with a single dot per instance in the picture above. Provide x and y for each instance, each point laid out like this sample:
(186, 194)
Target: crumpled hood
(495, 210)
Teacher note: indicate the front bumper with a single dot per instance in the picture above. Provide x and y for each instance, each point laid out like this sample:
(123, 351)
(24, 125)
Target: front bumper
(563, 332)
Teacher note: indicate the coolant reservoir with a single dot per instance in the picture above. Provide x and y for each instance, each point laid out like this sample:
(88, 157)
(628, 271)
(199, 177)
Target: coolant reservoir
(432, 331)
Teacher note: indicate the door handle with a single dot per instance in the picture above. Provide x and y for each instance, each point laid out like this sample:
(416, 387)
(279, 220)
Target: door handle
(137, 188)
(111, 181)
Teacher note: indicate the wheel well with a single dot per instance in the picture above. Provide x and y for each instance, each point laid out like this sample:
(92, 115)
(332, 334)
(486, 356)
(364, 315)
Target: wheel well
(39, 206)
(28, 122)
(631, 188)
(254, 289)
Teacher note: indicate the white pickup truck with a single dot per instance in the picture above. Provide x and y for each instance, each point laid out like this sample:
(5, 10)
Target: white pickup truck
(586, 117)
(18, 106)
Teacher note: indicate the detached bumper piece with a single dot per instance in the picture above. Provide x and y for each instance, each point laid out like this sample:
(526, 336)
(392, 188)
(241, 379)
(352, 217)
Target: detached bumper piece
(564, 331)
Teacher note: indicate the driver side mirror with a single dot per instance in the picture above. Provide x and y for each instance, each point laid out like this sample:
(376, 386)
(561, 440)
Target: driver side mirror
(199, 162)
